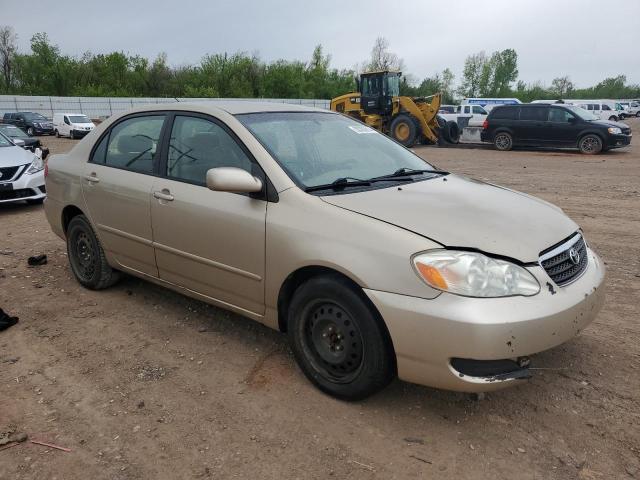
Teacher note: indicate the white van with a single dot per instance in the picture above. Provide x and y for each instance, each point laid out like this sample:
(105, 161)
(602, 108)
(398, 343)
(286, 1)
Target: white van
(72, 125)
(605, 109)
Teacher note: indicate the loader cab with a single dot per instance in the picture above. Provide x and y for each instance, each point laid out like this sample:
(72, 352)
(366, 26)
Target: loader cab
(377, 90)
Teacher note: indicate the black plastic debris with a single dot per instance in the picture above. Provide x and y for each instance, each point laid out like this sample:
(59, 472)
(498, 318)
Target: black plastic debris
(6, 321)
(37, 260)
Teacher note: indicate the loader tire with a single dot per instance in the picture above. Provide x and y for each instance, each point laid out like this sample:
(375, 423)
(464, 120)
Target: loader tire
(403, 129)
(451, 132)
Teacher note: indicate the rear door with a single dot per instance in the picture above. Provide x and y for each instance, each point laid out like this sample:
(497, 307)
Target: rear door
(210, 242)
(117, 186)
(532, 127)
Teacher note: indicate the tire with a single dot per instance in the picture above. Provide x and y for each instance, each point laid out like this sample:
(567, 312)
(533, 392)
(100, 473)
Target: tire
(339, 340)
(590, 144)
(37, 201)
(71, 135)
(403, 129)
(30, 131)
(613, 118)
(86, 256)
(503, 141)
(451, 132)
(638, 113)
(57, 133)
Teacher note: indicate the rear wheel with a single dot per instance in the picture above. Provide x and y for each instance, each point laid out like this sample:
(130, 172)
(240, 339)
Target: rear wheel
(451, 132)
(338, 340)
(86, 256)
(404, 130)
(503, 141)
(590, 144)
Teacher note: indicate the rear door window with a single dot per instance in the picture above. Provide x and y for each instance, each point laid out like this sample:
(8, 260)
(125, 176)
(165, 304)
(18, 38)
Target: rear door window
(134, 144)
(538, 114)
(559, 115)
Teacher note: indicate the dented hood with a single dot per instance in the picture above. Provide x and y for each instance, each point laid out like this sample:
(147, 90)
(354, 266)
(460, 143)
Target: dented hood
(457, 211)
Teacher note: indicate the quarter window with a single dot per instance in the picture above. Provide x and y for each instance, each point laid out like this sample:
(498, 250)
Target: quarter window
(505, 113)
(198, 145)
(134, 144)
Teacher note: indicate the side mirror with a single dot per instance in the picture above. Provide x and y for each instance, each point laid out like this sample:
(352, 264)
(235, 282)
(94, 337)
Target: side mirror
(231, 179)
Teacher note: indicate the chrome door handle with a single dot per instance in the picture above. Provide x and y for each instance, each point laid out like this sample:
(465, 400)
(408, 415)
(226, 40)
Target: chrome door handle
(92, 178)
(164, 195)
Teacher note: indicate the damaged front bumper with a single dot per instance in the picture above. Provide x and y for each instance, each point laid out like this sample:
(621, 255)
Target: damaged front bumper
(448, 341)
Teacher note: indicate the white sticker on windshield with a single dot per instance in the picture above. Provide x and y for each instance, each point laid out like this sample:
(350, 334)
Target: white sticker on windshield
(361, 129)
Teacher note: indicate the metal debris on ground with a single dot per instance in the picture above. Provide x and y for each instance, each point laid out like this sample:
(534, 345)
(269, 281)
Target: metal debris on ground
(37, 260)
(6, 321)
(50, 445)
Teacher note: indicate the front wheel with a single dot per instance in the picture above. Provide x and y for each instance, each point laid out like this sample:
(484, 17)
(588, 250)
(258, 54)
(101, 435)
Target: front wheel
(338, 339)
(503, 141)
(404, 130)
(30, 131)
(57, 133)
(613, 118)
(590, 144)
(638, 113)
(86, 256)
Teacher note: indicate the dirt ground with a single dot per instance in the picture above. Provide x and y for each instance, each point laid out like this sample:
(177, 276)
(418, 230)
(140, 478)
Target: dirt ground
(142, 383)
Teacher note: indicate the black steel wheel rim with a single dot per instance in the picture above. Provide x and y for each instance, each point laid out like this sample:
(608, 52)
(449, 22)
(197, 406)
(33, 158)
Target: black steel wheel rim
(332, 341)
(84, 254)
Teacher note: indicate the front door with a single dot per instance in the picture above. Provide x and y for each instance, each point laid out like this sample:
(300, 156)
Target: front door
(563, 127)
(117, 186)
(210, 242)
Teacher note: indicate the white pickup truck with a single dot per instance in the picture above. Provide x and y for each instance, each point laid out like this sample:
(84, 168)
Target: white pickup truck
(476, 114)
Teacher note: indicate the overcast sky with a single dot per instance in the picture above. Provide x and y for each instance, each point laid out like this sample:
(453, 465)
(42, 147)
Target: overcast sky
(585, 39)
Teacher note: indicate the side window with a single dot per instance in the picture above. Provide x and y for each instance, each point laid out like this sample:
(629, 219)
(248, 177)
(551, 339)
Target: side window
(479, 110)
(134, 144)
(197, 145)
(505, 113)
(559, 115)
(536, 114)
(467, 109)
(605, 107)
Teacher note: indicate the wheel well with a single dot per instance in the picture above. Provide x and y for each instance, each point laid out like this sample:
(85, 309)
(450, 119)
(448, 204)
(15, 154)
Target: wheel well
(597, 134)
(300, 276)
(68, 213)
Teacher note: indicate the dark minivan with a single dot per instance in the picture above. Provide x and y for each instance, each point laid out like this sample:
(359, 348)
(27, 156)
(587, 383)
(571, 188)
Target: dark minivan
(553, 125)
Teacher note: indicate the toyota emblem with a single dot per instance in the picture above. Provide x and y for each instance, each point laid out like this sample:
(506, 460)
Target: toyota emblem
(574, 256)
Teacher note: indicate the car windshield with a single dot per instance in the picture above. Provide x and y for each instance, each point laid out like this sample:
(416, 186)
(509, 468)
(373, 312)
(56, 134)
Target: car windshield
(13, 132)
(34, 116)
(4, 141)
(582, 113)
(79, 119)
(318, 148)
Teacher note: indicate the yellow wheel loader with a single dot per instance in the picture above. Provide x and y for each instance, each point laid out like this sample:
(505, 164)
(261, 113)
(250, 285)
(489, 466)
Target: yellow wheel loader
(408, 120)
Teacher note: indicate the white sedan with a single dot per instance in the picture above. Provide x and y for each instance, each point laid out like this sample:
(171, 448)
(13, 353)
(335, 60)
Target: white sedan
(21, 173)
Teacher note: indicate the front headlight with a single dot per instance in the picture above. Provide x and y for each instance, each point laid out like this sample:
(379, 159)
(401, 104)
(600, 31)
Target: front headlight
(473, 274)
(614, 130)
(36, 165)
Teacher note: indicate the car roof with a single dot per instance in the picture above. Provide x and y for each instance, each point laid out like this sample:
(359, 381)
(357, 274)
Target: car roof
(233, 107)
(70, 113)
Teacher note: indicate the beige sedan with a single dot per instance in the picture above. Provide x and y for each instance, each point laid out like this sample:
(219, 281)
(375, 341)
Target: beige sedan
(375, 263)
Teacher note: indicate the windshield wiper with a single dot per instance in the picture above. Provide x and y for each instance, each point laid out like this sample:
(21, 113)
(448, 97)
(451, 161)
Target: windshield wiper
(339, 184)
(406, 172)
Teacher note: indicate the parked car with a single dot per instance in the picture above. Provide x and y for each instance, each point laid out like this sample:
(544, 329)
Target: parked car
(475, 113)
(603, 109)
(13, 132)
(314, 224)
(72, 125)
(632, 109)
(32, 123)
(21, 173)
(540, 125)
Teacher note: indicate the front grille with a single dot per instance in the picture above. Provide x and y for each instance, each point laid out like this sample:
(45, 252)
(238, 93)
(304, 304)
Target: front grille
(566, 261)
(8, 173)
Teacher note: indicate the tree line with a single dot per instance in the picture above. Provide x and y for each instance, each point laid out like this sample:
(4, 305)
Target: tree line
(45, 70)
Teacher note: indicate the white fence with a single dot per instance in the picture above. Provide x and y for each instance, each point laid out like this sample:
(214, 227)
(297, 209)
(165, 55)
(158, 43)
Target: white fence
(102, 107)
